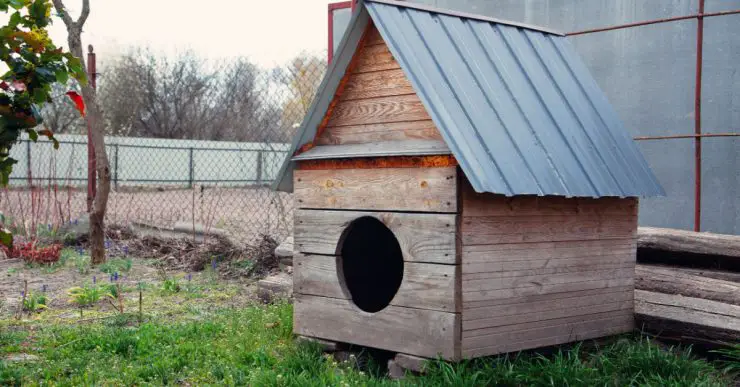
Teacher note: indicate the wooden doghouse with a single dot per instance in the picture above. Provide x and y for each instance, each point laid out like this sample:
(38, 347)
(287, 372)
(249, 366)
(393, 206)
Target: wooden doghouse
(463, 189)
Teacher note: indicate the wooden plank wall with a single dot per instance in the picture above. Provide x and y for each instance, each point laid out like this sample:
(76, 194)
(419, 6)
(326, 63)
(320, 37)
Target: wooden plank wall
(378, 103)
(542, 271)
(420, 207)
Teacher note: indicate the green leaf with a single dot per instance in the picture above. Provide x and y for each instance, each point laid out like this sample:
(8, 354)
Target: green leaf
(17, 4)
(62, 76)
(40, 96)
(15, 19)
(33, 135)
(48, 76)
(6, 238)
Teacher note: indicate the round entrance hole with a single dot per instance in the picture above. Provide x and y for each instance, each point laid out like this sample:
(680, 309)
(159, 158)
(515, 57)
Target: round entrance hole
(370, 263)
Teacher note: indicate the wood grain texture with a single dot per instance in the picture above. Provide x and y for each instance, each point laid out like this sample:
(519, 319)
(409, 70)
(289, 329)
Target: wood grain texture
(383, 83)
(547, 264)
(392, 131)
(417, 332)
(472, 306)
(491, 254)
(585, 283)
(543, 280)
(584, 267)
(422, 237)
(407, 148)
(488, 204)
(682, 241)
(689, 310)
(392, 189)
(378, 110)
(671, 281)
(375, 58)
(372, 36)
(424, 285)
(494, 324)
(526, 229)
(551, 332)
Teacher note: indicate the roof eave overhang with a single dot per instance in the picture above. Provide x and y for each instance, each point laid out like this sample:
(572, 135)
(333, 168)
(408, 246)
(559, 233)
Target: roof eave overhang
(326, 91)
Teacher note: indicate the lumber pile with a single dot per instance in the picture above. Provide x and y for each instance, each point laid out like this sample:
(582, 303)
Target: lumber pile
(688, 248)
(685, 300)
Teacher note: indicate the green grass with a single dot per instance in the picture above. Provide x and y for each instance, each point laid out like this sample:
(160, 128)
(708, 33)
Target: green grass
(116, 265)
(254, 346)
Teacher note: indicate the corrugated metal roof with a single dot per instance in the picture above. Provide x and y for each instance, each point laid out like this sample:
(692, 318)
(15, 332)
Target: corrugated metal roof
(516, 106)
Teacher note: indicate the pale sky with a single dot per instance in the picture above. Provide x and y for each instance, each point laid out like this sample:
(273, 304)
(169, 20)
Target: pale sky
(268, 31)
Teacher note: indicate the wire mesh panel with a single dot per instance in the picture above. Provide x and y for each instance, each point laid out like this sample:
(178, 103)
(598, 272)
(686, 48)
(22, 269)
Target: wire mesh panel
(188, 141)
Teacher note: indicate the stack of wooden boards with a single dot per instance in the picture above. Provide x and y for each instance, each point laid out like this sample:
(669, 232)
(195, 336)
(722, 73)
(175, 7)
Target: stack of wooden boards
(687, 285)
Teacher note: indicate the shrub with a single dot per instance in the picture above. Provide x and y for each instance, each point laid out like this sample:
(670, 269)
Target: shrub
(34, 302)
(86, 295)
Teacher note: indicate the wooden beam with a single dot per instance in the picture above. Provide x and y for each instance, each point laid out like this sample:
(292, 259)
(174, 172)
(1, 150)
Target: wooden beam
(471, 306)
(488, 204)
(670, 281)
(376, 84)
(419, 148)
(375, 58)
(681, 241)
(378, 110)
(424, 285)
(437, 161)
(498, 324)
(617, 263)
(391, 189)
(540, 281)
(391, 131)
(526, 229)
(545, 265)
(688, 316)
(417, 332)
(530, 254)
(373, 36)
(563, 301)
(626, 279)
(422, 237)
(547, 333)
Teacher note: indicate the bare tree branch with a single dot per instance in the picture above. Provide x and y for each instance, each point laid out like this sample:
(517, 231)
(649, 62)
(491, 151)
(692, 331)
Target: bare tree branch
(62, 10)
(85, 13)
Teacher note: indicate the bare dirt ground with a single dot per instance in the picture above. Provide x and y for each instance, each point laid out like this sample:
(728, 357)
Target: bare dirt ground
(244, 213)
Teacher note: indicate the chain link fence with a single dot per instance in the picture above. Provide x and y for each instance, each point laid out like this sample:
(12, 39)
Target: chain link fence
(189, 142)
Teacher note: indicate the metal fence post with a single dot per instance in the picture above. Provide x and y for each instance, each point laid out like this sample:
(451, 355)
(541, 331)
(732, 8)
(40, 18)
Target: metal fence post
(192, 169)
(28, 163)
(115, 168)
(259, 167)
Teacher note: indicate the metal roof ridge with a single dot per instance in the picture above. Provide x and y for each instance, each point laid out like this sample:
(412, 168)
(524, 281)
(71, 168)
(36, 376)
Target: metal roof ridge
(465, 15)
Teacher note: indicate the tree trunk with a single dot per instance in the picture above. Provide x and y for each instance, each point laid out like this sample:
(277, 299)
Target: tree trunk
(94, 118)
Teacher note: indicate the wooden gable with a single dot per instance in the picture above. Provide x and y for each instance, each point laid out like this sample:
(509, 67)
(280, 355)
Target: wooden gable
(376, 102)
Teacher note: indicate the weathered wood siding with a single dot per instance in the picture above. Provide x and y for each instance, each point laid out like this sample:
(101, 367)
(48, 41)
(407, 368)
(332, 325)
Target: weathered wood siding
(540, 271)
(389, 189)
(420, 207)
(377, 102)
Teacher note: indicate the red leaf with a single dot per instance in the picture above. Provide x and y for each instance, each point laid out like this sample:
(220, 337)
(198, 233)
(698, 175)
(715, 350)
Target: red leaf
(47, 133)
(4, 85)
(79, 102)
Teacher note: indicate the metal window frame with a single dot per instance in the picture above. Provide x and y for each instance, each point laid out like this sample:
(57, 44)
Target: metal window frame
(333, 7)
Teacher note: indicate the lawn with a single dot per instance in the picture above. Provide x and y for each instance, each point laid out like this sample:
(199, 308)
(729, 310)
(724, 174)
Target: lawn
(202, 329)
(254, 346)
